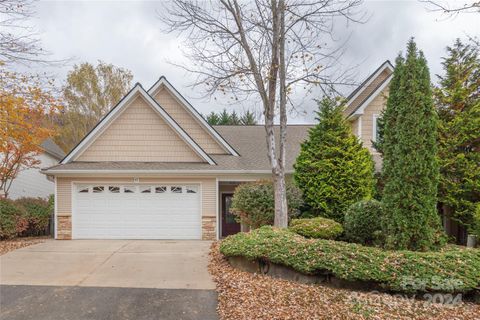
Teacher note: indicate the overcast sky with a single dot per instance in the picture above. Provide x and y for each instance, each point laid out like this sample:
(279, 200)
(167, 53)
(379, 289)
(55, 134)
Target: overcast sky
(128, 34)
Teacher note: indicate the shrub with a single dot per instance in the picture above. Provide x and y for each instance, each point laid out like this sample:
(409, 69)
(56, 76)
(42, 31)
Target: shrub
(410, 162)
(37, 212)
(363, 222)
(319, 228)
(453, 269)
(12, 220)
(253, 203)
(333, 169)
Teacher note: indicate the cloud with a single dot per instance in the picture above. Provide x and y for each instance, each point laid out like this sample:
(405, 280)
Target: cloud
(128, 34)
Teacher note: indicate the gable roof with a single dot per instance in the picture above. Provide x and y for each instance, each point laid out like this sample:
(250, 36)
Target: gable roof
(365, 85)
(52, 149)
(137, 90)
(248, 140)
(163, 82)
(360, 109)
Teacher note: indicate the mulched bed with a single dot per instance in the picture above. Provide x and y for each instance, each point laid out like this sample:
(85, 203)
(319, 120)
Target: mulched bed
(242, 295)
(17, 243)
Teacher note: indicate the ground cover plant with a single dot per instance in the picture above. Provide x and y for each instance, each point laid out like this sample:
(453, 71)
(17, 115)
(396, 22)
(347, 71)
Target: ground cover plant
(452, 269)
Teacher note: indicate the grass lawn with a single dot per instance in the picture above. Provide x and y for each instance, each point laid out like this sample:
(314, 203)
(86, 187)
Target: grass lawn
(242, 295)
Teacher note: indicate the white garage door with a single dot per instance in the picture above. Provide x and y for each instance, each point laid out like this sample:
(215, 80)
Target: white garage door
(160, 211)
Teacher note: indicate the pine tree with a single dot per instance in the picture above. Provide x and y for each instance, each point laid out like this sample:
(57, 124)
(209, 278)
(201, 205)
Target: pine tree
(410, 166)
(458, 103)
(333, 169)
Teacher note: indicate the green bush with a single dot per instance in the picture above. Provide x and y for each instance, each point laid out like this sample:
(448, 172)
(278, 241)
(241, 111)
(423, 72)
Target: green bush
(253, 203)
(453, 269)
(363, 222)
(318, 228)
(12, 220)
(333, 169)
(37, 212)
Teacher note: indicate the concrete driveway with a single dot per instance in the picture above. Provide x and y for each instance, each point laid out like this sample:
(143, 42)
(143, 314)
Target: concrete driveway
(110, 263)
(108, 279)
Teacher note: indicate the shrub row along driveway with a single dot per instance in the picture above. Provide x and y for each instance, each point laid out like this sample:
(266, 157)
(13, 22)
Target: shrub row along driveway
(161, 271)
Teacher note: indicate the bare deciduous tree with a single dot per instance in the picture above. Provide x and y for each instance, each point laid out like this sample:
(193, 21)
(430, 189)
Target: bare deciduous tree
(458, 7)
(266, 48)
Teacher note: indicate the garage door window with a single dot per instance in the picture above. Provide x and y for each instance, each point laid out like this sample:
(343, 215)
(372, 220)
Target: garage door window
(129, 189)
(145, 189)
(191, 189)
(114, 189)
(98, 189)
(161, 189)
(176, 189)
(83, 189)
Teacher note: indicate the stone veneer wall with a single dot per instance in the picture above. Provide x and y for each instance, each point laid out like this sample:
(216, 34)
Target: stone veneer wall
(208, 228)
(64, 227)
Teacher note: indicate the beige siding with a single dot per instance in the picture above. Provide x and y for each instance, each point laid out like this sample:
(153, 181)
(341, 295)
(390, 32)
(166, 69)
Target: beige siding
(373, 109)
(139, 134)
(354, 126)
(367, 91)
(64, 190)
(178, 112)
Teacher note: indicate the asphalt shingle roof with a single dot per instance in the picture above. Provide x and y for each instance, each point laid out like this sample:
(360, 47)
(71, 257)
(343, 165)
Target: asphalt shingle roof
(248, 141)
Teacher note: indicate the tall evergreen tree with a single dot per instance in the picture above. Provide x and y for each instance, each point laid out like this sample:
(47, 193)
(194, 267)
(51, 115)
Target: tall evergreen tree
(458, 102)
(333, 169)
(410, 166)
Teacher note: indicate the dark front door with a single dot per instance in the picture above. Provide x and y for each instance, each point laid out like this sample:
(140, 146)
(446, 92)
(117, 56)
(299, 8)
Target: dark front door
(229, 225)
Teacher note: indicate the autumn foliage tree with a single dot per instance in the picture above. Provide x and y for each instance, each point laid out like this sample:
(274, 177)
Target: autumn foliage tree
(24, 107)
(89, 93)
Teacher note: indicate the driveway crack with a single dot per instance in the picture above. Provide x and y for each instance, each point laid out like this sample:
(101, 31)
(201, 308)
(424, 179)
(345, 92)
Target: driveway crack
(101, 264)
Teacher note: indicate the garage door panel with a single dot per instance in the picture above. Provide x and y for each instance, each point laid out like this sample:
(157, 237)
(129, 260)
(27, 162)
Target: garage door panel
(144, 212)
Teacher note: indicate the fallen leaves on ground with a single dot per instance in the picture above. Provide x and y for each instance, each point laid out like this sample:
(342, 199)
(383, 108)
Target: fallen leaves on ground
(243, 295)
(17, 243)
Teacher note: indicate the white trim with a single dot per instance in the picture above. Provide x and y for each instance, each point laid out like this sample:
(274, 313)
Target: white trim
(106, 182)
(359, 127)
(55, 210)
(217, 211)
(374, 127)
(193, 112)
(385, 65)
(111, 116)
(201, 172)
(361, 109)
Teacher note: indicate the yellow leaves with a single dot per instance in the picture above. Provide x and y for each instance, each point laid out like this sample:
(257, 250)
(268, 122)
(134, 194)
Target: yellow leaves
(24, 107)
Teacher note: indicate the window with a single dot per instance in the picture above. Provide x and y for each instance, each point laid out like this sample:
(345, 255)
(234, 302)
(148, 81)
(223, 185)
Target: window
(114, 189)
(191, 189)
(161, 189)
(83, 189)
(129, 189)
(145, 189)
(98, 189)
(176, 189)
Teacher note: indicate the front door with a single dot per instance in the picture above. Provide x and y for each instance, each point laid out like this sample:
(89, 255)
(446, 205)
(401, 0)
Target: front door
(229, 225)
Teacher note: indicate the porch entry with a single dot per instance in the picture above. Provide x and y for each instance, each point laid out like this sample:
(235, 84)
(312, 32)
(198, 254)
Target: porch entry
(229, 225)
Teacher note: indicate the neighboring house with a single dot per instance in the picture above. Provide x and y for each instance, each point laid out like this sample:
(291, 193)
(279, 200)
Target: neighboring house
(31, 182)
(153, 168)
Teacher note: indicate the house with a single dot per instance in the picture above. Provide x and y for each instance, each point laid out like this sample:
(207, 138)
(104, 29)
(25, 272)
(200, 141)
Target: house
(365, 104)
(153, 168)
(31, 182)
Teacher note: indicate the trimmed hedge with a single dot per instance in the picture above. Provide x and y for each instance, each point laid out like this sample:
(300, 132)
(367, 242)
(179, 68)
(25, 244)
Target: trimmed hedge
(12, 219)
(254, 205)
(318, 228)
(450, 270)
(24, 217)
(37, 212)
(363, 222)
